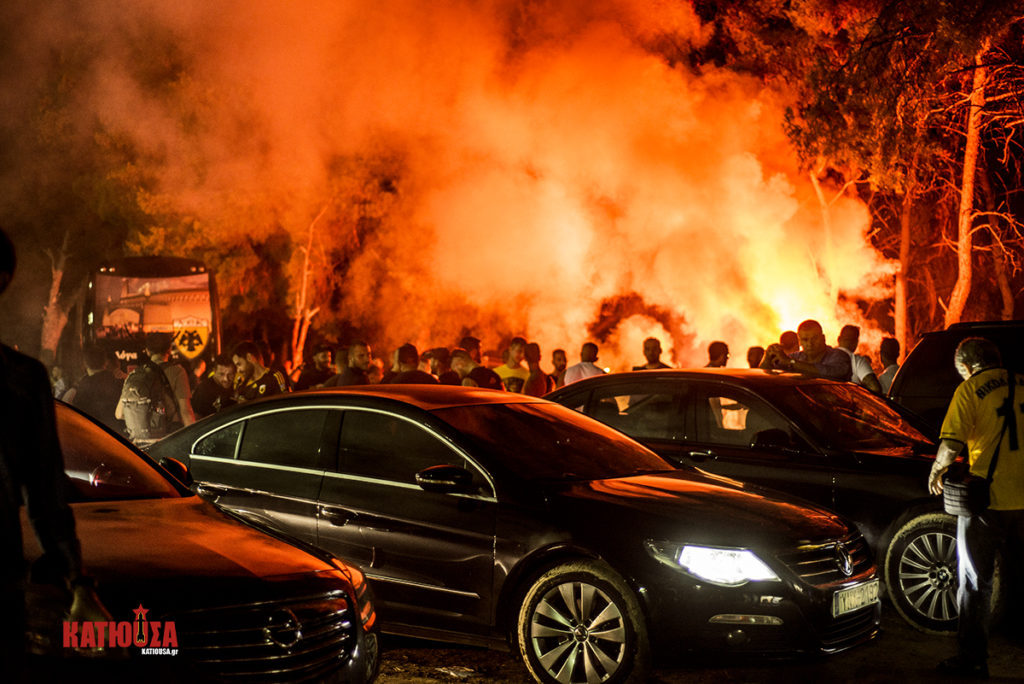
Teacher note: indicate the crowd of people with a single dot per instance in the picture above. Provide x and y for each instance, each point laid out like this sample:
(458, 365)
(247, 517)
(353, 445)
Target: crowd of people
(163, 393)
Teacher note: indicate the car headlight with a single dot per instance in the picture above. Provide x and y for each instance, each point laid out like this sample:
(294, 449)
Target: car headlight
(728, 567)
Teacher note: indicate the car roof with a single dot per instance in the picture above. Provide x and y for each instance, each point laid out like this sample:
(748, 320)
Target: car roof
(751, 377)
(426, 397)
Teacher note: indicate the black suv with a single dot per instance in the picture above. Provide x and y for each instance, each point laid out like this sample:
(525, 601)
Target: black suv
(927, 379)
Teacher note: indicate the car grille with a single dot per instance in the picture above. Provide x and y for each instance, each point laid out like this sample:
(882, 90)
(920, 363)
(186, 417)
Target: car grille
(282, 641)
(819, 564)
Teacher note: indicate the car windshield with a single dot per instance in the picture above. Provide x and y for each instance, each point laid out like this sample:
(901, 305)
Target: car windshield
(844, 416)
(550, 442)
(102, 467)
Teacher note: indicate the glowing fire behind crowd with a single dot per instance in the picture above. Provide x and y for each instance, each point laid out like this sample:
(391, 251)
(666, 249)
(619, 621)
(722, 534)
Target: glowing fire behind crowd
(558, 180)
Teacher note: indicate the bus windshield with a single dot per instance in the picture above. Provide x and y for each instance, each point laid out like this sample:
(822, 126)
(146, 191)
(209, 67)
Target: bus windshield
(144, 297)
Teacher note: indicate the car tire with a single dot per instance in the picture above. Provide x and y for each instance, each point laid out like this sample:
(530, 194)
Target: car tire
(581, 622)
(920, 572)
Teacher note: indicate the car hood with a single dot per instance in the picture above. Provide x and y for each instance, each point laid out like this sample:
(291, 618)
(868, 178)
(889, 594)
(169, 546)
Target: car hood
(174, 554)
(693, 507)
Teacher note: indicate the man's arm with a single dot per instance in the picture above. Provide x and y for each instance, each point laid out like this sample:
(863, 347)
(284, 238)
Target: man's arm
(947, 453)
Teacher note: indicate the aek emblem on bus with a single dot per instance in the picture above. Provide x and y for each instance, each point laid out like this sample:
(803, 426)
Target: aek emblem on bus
(191, 336)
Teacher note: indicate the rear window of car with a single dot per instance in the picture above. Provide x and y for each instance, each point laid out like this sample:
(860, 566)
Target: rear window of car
(845, 416)
(551, 442)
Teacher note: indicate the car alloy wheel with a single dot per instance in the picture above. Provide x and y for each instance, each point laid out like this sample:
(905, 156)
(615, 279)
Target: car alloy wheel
(580, 622)
(921, 572)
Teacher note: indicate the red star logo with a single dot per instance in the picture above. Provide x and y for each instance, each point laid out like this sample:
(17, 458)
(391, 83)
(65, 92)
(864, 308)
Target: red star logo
(140, 612)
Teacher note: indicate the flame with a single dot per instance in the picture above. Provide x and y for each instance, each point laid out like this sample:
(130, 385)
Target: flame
(551, 163)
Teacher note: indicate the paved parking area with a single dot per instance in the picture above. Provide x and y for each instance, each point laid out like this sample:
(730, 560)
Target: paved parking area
(900, 654)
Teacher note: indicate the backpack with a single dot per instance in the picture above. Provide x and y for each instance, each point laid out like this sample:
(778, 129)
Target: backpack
(148, 404)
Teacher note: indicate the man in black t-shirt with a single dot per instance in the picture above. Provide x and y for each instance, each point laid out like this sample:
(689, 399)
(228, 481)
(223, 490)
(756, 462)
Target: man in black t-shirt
(98, 392)
(254, 380)
(216, 390)
(318, 371)
(408, 368)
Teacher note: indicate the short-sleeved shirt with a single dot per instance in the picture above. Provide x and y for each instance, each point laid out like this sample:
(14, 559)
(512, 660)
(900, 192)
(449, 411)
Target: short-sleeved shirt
(513, 378)
(860, 366)
(885, 379)
(268, 384)
(975, 418)
(833, 365)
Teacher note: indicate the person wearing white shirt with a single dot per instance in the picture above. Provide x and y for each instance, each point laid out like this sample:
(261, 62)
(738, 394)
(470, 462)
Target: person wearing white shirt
(863, 373)
(889, 352)
(586, 367)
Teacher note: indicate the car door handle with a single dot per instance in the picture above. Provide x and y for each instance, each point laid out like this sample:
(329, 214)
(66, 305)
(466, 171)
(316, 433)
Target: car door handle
(212, 490)
(338, 517)
(700, 456)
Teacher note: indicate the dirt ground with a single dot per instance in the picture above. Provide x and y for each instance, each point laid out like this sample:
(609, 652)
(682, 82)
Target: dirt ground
(900, 654)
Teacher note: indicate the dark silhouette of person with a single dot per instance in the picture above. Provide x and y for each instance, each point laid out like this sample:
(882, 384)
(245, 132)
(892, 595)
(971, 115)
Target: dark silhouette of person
(99, 390)
(754, 356)
(441, 366)
(718, 354)
(356, 371)
(472, 346)
(408, 359)
(539, 383)
(215, 392)
(472, 373)
(32, 472)
(318, 370)
(652, 355)
(560, 360)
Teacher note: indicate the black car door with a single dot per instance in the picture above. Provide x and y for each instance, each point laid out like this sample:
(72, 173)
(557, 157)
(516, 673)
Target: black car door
(737, 434)
(431, 555)
(269, 466)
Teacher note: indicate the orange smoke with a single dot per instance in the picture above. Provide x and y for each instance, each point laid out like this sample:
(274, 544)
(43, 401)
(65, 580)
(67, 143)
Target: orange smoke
(549, 163)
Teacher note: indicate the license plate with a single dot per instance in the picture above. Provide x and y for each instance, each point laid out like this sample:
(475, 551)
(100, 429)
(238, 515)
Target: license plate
(854, 598)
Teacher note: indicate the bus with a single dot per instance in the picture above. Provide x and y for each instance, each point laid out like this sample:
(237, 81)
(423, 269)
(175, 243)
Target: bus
(128, 298)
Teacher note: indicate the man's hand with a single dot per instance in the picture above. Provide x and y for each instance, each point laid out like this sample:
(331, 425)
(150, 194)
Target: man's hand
(947, 453)
(935, 477)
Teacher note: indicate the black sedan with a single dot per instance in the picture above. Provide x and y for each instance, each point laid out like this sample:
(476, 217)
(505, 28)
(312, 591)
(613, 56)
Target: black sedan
(835, 444)
(491, 518)
(193, 592)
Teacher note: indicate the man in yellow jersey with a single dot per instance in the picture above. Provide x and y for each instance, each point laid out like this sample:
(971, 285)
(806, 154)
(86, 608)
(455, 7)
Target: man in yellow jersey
(975, 419)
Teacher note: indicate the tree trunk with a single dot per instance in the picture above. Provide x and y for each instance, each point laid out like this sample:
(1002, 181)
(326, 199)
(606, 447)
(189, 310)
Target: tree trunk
(900, 294)
(964, 242)
(303, 314)
(55, 316)
(826, 223)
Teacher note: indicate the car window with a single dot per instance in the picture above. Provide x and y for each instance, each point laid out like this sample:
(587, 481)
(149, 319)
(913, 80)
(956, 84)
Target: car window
(386, 447)
(641, 411)
(731, 417)
(845, 416)
(286, 438)
(103, 468)
(221, 444)
(547, 441)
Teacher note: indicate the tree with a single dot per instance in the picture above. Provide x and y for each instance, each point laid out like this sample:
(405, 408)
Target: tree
(882, 110)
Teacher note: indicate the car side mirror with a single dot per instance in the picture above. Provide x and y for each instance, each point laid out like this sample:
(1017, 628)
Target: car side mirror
(773, 438)
(178, 469)
(445, 479)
